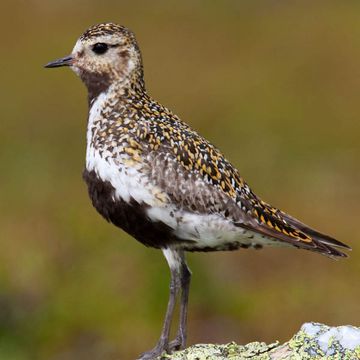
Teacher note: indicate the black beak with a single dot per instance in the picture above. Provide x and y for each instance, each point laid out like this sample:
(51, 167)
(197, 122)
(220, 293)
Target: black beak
(65, 61)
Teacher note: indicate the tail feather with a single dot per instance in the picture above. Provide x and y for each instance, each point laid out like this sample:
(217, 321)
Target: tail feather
(316, 244)
(272, 222)
(322, 238)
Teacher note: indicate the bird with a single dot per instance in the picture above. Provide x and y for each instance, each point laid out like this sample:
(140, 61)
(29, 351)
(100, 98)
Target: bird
(153, 176)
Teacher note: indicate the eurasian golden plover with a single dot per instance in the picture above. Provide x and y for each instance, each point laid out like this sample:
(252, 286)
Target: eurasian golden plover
(151, 175)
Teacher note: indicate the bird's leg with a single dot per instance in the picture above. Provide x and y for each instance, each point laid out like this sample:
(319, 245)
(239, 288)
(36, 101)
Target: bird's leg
(175, 283)
(185, 277)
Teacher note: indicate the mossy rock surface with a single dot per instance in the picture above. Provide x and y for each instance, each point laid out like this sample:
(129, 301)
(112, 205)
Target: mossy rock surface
(312, 342)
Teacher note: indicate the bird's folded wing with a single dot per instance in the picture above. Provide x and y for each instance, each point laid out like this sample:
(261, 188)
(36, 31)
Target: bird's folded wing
(198, 178)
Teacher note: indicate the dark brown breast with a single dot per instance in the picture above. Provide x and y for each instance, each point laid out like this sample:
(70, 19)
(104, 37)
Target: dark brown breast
(129, 216)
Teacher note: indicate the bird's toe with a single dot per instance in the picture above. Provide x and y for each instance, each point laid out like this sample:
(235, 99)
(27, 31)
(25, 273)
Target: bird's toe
(177, 344)
(155, 353)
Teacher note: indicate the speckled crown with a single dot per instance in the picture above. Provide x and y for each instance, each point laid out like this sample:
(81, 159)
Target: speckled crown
(104, 29)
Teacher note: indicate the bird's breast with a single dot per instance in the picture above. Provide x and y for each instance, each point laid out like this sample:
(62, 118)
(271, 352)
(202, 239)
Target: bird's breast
(131, 216)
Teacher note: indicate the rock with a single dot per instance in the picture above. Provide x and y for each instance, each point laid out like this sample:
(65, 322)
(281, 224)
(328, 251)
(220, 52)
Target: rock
(312, 342)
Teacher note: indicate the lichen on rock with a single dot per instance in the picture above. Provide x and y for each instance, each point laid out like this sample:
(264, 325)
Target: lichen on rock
(318, 341)
(312, 342)
(221, 352)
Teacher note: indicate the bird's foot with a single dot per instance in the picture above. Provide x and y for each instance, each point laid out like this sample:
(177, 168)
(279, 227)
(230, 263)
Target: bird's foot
(178, 343)
(160, 349)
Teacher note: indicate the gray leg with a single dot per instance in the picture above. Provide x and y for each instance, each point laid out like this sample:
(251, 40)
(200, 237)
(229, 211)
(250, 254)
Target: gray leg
(185, 277)
(174, 260)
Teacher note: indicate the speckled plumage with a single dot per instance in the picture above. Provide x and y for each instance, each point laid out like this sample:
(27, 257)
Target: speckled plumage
(152, 175)
(185, 170)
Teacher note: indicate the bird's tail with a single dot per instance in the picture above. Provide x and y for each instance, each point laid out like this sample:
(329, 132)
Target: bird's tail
(274, 223)
(325, 244)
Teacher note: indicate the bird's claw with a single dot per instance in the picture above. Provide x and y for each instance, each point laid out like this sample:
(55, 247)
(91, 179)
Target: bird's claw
(177, 344)
(162, 349)
(155, 353)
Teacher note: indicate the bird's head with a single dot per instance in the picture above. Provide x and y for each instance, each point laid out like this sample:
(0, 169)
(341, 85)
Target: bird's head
(106, 53)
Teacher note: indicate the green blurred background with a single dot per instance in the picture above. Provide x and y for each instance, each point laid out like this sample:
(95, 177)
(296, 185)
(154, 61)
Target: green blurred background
(274, 84)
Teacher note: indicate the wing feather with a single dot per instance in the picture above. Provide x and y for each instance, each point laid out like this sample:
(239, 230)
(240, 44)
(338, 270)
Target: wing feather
(197, 177)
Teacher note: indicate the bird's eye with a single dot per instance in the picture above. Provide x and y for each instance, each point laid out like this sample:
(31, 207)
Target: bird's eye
(100, 48)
